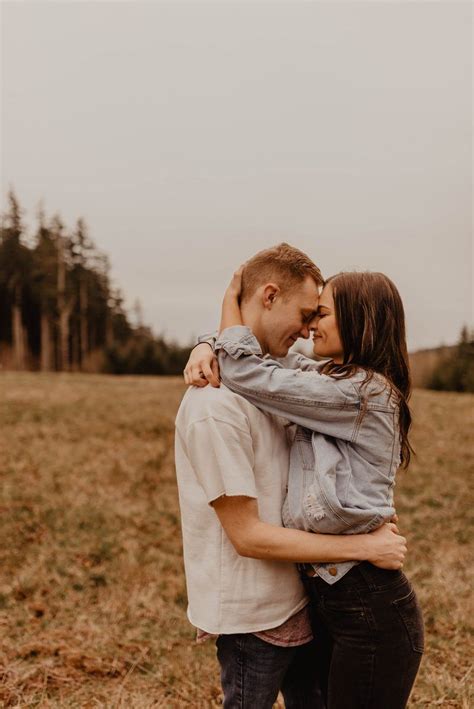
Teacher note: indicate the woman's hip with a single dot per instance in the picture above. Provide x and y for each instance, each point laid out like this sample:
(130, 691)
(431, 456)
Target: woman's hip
(370, 605)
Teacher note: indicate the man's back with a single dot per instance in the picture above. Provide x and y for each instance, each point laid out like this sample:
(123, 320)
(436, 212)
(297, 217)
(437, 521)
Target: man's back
(225, 446)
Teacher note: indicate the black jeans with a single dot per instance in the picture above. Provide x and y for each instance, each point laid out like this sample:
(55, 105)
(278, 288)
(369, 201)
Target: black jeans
(253, 671)
(371, 628)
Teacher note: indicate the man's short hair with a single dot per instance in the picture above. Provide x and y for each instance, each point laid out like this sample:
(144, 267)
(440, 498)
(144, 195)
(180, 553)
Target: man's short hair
(283, 264)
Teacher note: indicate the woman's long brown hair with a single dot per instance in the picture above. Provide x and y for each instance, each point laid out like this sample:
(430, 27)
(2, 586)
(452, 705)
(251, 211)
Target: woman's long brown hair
(371, 323)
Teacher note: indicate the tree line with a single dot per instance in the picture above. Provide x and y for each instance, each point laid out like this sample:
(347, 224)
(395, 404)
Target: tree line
(58, 309)
(456, 372)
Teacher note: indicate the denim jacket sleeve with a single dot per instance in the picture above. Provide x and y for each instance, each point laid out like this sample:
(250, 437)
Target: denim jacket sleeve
(295, 360)
(209, 338)
(312, 400)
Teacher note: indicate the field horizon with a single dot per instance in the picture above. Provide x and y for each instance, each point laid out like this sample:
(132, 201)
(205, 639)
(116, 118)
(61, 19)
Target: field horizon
(92, 589)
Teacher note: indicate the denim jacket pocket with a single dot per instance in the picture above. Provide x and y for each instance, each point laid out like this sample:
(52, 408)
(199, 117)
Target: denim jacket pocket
(410, 612)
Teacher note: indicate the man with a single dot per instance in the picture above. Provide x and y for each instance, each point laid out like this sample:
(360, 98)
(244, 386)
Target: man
(232, 467)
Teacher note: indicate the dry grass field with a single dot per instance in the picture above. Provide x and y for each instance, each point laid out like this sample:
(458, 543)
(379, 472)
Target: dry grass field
(92, 594)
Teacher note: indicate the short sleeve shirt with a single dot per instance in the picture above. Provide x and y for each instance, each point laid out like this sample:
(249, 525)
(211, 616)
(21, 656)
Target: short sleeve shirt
(226, 446)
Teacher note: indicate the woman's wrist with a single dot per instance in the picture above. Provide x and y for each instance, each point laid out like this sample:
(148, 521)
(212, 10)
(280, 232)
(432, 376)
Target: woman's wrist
(204, 342)
(231, 314)
(231, 296)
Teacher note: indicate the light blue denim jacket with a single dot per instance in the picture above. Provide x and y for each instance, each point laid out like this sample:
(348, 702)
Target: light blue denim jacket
(346, 449)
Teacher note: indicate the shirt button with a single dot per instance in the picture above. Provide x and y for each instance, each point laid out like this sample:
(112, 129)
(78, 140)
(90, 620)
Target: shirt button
(333, 571)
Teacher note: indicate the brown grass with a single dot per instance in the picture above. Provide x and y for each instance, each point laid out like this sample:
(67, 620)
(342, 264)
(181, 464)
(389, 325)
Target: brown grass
(92, 594)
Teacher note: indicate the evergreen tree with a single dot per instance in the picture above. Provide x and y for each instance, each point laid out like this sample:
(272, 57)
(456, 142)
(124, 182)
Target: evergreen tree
(456, 373)
(44, 283)
(82, 253)
(58, 310)
(65, 294)
(15, 270)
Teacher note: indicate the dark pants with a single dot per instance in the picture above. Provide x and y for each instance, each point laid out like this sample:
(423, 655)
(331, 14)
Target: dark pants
(371, 628)
(253, 671)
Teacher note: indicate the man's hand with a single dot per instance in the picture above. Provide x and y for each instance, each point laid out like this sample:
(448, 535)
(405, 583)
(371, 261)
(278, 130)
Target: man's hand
(202, 367)
(388, 547)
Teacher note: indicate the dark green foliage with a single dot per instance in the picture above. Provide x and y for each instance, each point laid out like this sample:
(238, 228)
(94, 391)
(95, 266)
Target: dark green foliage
(456, 372)
(143, 354)
(58, 310)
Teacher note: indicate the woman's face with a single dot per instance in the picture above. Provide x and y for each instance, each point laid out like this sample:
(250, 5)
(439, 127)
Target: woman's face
(326, 340)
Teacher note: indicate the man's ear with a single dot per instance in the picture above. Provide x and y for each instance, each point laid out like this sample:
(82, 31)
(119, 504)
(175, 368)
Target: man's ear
(269, 295)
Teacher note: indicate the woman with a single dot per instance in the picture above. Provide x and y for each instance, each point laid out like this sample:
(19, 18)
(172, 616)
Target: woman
(353, 423)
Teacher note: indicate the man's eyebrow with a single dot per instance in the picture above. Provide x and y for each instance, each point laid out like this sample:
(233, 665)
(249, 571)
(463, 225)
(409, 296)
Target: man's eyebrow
(308, 313)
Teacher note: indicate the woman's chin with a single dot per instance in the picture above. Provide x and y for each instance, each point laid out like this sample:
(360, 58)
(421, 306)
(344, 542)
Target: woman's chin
(321, 352)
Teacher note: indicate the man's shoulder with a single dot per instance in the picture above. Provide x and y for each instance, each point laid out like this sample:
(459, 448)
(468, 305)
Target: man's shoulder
(219, 403)
(209, 396)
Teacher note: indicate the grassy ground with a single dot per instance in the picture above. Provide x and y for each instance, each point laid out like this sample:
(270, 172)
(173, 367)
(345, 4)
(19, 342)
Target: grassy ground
(92, 594)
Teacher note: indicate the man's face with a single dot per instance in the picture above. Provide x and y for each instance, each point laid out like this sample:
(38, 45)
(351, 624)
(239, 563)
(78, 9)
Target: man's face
(289, 317)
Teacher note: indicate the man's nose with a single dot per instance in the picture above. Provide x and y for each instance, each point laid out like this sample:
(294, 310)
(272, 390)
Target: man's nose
(313, 323)
(304, 332)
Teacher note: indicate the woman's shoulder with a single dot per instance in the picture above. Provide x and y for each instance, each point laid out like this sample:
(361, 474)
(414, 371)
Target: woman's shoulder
(377, 387)
(357, 385)
(369, 385)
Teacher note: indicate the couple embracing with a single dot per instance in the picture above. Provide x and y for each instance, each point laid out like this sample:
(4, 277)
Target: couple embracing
(286, 468)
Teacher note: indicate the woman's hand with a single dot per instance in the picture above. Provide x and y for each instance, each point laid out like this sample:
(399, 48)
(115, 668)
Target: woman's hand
(388, 547)
(231, 314)
(234, 289)
(202, 367)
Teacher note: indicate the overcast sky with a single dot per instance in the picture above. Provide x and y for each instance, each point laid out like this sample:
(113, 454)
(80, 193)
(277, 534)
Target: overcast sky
(189, 135)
